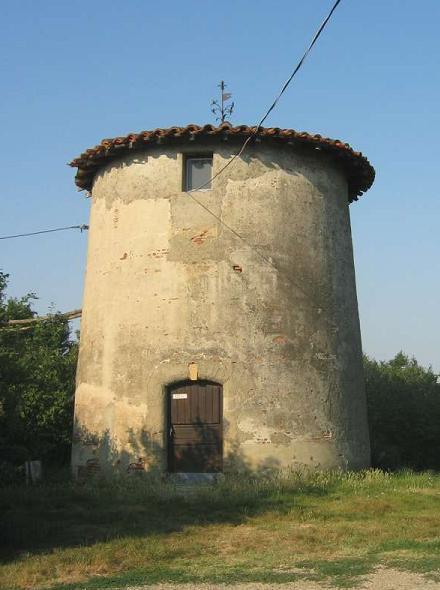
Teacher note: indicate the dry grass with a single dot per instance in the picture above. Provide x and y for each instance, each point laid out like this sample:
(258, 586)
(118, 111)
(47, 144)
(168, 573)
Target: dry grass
(278, 529)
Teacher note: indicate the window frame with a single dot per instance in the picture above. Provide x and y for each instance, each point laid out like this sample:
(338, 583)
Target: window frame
(186, 159)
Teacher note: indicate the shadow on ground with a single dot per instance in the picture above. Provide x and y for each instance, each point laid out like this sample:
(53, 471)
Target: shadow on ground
(137, 503)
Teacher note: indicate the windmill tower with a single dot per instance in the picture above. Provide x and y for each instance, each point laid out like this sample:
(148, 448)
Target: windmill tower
(201, 351)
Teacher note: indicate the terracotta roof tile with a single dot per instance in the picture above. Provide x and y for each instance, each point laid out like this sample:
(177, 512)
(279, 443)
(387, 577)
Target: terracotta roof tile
(360, 173)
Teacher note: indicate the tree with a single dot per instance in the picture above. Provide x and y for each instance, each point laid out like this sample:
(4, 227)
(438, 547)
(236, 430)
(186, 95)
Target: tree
(404, 413)
(37, 376)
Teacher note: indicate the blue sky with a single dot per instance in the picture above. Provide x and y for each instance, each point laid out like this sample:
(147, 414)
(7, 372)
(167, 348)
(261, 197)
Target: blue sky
(75, 72)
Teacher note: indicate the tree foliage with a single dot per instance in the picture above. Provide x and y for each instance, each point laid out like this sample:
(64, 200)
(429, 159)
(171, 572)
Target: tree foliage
(404, 413)
(37, 376)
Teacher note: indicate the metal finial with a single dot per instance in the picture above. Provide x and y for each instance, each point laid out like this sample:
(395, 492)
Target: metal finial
(220, 108)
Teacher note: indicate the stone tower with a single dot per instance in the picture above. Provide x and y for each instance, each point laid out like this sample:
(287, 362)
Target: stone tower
(204, 350)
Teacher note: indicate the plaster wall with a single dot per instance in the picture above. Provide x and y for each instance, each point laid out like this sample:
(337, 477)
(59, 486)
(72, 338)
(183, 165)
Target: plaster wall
(161, 292)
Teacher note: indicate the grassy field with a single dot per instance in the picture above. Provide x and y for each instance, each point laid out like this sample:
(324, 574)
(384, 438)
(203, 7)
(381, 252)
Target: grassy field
(323, 526)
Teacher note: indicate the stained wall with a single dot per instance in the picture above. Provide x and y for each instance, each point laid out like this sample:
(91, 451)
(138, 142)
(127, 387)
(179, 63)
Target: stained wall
(276, 323)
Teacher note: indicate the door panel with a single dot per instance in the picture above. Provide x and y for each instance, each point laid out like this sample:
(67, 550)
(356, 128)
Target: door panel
(195, 427)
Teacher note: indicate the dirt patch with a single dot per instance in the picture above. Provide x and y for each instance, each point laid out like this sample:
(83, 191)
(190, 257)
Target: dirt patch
(391, 579)
(381, 579)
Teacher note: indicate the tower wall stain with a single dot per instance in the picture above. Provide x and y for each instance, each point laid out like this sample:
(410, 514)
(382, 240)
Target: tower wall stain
(168, 285)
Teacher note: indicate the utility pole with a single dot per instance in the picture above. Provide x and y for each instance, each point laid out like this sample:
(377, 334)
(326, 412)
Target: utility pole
(221, 109)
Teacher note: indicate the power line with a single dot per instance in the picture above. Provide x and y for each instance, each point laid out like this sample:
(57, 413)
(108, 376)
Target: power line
(237, 155)
(231, 229)
(275, 102)
(255, 133)
(81, 227)
(77, 313)
(300, 63)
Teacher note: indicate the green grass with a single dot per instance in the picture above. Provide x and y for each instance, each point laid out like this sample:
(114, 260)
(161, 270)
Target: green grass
(330, 526)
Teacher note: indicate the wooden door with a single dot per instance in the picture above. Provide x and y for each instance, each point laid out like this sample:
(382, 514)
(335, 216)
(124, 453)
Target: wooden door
(195, 440)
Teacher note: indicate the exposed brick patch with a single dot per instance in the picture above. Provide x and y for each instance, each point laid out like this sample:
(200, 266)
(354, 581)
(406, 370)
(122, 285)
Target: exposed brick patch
(200, 238)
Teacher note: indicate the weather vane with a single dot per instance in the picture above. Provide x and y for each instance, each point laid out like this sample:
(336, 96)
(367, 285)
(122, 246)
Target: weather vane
(221, 110)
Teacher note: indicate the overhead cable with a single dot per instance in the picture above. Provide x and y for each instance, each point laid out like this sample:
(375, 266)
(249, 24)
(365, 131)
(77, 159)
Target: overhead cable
(81, 227)
(237, 155)
(275, 102)
(255, 133)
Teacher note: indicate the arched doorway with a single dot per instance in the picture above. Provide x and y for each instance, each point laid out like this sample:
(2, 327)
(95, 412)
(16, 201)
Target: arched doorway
(195, 431)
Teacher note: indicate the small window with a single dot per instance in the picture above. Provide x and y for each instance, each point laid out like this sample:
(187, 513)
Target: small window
(198, 173)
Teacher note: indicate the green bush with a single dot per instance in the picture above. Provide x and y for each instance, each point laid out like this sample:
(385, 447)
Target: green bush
(404, 413)
(37, 376)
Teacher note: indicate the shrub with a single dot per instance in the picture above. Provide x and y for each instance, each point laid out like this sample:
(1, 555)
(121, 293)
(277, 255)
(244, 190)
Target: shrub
(404, 413)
